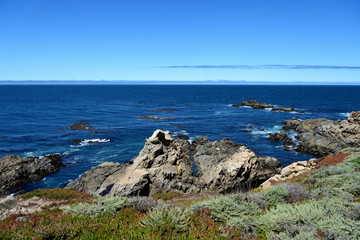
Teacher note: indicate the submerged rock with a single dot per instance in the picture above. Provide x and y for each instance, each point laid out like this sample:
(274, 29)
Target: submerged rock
(81, 126)
(155, 118)
(284, 109)
(16, 171)
(166, 164)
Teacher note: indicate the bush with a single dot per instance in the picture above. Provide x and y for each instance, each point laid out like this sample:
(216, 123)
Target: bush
(103, 205)
(166, 218)
(325, 215)
(296, 192)
(228, 208)
(275, 195)
(142, 204)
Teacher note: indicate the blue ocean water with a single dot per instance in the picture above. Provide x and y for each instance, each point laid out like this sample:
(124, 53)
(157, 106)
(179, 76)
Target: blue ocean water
(34, 120)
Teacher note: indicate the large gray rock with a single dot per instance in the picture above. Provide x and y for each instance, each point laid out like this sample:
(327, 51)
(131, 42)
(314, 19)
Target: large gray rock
(165, 164)
(321, 137)
(16, 171)
(8, 203)
(226, 166)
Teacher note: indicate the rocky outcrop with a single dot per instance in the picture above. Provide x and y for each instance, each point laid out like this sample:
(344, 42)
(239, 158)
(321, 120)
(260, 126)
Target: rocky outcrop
(226, 166)
(259, 105)
(166, 164)
(282, 137)
(294, 170)
(81, 126)
(16, 171)
(278, 136)
(291, 124)
(284, 109)
(321, 137)
(254, 104)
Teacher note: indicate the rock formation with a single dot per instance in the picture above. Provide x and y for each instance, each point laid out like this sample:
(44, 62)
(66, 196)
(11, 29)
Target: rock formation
(259, 105)
(292, 171)
(226, 166)
(321, 137)
(282, 137)
(16, 171)
(254, 104)
(166, 164)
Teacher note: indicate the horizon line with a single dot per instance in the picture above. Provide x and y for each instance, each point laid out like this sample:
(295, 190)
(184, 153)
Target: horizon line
(266, 66)
(168, 82)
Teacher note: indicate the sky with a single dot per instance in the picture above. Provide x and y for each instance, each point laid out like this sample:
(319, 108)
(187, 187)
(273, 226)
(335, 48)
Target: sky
(252, 40)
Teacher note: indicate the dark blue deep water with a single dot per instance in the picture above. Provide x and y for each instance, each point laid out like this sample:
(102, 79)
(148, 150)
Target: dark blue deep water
(34, 119)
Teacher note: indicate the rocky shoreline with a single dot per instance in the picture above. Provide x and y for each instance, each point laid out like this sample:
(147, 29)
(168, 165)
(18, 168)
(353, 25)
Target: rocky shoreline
(15, 171)
(166, 164)
(320, 137)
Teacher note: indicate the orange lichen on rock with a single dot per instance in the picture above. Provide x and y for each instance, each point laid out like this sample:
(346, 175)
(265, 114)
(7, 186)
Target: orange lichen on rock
(355, 114)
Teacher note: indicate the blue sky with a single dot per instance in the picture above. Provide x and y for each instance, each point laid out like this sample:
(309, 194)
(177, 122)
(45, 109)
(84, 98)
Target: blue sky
(180, 40)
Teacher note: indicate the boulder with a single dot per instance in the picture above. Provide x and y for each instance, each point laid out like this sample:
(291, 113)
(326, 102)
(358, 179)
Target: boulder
(278, 136)
(183, 137)
(354, 117)
(166, 164)
(226, 166)
(16, 171)
(294, 170)
(8, 203)
(282, 137)
(291, 124)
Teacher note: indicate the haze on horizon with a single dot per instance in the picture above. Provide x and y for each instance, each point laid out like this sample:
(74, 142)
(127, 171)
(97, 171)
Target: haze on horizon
(256, 41)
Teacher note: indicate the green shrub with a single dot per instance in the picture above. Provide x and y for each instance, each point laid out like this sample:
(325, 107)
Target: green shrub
(238, 210)
(325, 214)
(142, 204)
(275, 195)
(296, 192)
(102, 205)
(167, 218)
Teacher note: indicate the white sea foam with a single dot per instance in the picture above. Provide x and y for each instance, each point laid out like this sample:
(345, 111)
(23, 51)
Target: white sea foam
(268, 109)
(345, 114)
(95, 140)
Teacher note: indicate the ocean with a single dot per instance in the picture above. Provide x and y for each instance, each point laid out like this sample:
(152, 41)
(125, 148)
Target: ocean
(35, 120)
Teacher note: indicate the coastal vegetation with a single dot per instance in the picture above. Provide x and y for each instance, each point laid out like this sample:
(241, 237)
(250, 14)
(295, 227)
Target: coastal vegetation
(322, 204)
